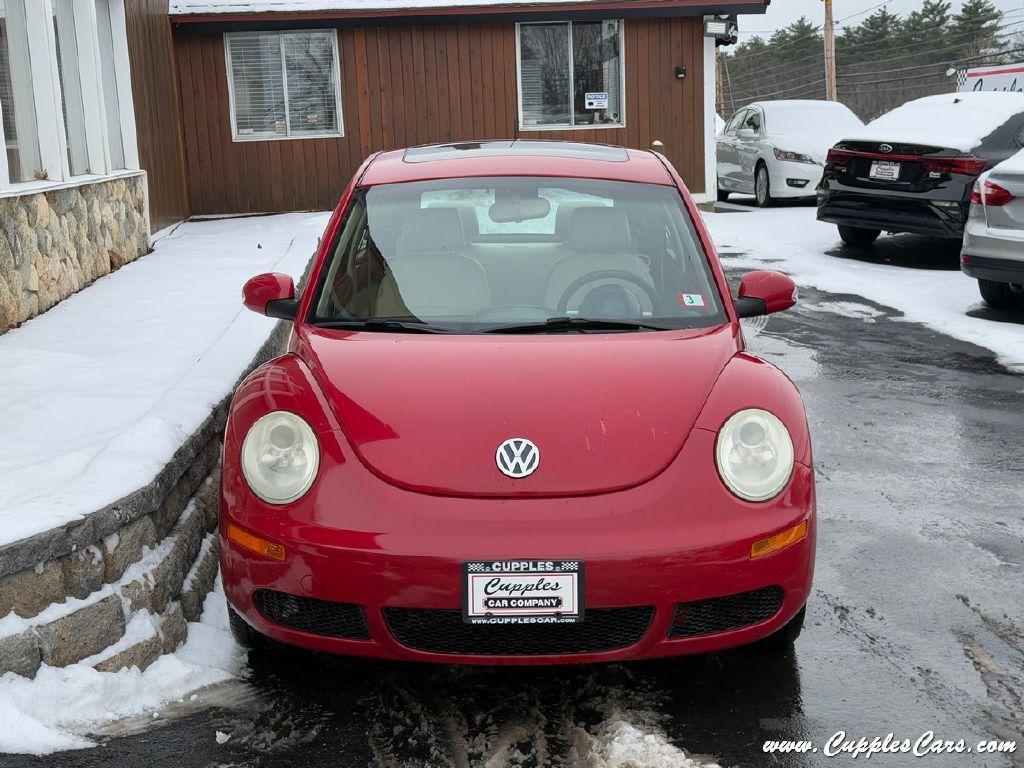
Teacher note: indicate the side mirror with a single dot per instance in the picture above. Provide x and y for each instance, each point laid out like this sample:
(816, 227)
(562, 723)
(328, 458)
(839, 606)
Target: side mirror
(764, 292)
(271, 294)
(746, 133)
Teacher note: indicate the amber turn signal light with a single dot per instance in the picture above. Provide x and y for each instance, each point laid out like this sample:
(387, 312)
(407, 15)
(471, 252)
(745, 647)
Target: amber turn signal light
(778, 541)
(254, 543)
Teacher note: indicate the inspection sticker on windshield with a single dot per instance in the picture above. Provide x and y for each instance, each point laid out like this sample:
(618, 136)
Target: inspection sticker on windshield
(687, 300)
(522, 591)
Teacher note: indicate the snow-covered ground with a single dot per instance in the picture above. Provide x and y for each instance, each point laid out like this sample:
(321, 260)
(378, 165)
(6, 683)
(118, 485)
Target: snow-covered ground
(98, 393)
(63, 704)
(793, 241)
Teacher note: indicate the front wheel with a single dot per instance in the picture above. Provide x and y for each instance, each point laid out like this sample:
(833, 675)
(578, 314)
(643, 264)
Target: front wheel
(858, 237)
(244, 635)
(782, 640)
(762, 187)
(999, 295)
(723, 195)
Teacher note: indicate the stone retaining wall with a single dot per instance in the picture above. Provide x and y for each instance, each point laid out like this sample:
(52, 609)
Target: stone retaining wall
(118, 587)
(54, 243)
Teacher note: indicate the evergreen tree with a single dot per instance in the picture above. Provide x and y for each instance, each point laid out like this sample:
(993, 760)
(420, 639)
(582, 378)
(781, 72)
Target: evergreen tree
(974, 30)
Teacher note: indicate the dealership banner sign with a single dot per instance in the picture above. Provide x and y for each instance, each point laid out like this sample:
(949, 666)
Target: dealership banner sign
(1000, 77)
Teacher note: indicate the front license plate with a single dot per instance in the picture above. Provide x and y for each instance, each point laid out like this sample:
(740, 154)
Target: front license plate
(884, 171)
(522, 591)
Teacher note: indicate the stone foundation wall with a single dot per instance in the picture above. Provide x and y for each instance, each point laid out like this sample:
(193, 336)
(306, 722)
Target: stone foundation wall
(118, 587)
(54, 243)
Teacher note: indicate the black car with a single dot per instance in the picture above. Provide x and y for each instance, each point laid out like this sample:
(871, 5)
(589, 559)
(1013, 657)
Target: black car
(886, 180)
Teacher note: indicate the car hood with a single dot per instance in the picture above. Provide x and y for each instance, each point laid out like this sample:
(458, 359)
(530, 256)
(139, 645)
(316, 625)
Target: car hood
(607, 411)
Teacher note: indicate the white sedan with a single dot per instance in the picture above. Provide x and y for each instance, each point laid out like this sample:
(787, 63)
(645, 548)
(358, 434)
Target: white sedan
(993, 251)
(777, 149)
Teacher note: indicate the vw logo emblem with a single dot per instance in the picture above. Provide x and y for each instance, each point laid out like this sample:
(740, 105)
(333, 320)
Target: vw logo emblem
(517, 457)
(885, 147)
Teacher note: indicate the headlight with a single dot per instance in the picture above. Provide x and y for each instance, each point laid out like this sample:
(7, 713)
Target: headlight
(793, 157)
(280, 457)
(754, 454)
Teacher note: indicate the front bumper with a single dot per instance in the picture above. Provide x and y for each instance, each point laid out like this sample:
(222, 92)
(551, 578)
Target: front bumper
(794, 180)
(990, 254)
(651, 546)
(892, 213)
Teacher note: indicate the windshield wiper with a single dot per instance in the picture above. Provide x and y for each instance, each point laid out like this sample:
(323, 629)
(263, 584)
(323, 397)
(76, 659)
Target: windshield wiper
(382, 324)
(575, 324)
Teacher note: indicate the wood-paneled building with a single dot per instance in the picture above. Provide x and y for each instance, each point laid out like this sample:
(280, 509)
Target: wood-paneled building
(281, 101)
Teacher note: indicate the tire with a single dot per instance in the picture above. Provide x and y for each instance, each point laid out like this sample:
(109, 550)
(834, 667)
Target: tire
(857, 237)
(999, 295)
(762, 186)
(782, 640)
(723, 196)
(244, 635)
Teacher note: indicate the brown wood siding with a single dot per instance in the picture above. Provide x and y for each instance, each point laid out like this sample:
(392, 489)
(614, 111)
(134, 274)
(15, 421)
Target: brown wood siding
(157, 109)
(408, 85)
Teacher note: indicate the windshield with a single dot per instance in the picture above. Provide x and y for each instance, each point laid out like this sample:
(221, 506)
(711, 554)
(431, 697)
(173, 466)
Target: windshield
(474, 255)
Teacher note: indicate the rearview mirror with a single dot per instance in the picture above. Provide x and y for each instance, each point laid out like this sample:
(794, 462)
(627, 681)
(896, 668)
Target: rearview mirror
(512, 211)
(764, 292)
(271, 294)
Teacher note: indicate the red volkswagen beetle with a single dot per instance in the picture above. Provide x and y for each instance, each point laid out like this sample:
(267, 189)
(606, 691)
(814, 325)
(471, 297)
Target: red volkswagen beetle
(516, 424)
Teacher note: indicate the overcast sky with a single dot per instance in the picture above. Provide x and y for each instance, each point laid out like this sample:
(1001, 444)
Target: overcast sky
(783, 12)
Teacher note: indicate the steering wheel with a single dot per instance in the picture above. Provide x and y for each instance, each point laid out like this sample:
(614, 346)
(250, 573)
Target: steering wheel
(605, 274)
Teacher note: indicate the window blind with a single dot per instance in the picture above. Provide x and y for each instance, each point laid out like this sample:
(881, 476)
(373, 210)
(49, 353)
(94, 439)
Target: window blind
(284, 83)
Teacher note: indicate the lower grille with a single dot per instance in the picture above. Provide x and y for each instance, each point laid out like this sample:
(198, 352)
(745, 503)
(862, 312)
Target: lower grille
(437, 631)
(318, 617)
(722, 614)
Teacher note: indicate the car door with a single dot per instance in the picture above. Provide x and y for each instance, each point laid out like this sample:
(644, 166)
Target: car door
(726, 153)
(750, 132)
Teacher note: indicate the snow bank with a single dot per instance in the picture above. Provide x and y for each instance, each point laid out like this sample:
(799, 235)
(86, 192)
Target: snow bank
(97, 394)
(954, 120)
(793, 241)
(56, 710)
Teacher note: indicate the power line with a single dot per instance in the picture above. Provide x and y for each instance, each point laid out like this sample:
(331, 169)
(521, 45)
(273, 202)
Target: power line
(844, 51)
(858, 13)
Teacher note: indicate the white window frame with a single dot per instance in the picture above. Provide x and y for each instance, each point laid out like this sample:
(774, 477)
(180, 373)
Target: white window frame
(287, 136)
(48, 99)
(572, 81)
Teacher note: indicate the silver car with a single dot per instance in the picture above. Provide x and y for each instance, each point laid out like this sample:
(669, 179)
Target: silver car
(993, 251)
(777, 149)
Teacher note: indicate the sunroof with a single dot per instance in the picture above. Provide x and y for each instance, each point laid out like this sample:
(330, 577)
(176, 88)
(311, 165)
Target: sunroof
(515, 148)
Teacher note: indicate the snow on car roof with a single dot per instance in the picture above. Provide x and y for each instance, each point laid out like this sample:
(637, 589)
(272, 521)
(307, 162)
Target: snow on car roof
(954, 120)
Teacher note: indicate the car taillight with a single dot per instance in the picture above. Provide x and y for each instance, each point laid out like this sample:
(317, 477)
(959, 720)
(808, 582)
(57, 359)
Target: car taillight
(970, 166)
(838, 156)
(994, 194)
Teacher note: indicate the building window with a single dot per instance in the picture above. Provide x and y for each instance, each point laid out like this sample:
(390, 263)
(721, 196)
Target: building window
(20, 136)
(283, 84)
(65, 93)
(110, 82)
(70, 77)
(570, 75)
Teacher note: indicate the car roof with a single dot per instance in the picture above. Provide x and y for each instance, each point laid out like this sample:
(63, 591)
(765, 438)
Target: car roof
(516, 157)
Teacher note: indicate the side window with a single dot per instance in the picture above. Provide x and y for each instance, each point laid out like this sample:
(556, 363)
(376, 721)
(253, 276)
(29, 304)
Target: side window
(735, 121)
(753, 121)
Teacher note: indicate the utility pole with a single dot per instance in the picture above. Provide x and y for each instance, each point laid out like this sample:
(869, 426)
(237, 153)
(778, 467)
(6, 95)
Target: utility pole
(830, 53)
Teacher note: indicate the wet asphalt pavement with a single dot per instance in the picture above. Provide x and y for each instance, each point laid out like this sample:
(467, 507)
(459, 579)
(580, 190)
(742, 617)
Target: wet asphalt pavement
(915, 623)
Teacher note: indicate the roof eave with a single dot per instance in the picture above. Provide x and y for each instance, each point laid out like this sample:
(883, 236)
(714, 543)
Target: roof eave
(441, 15)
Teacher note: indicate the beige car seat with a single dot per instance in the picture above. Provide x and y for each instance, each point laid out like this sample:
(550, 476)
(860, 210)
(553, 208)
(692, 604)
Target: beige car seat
(428, 276)
(600, 240)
